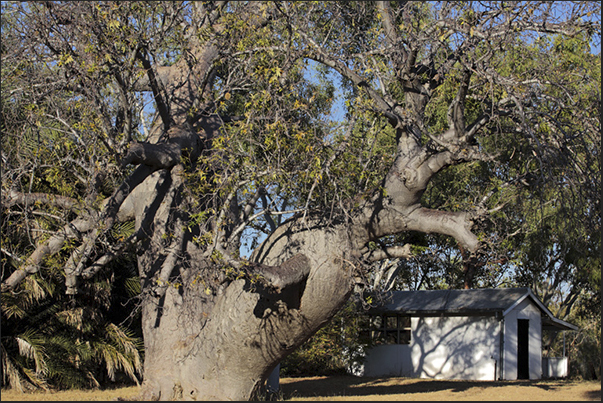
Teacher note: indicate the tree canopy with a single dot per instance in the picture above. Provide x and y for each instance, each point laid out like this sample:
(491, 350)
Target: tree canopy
(173, 137)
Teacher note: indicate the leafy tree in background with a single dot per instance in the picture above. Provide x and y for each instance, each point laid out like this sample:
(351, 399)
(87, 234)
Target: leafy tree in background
(195, 124)
(333, 350)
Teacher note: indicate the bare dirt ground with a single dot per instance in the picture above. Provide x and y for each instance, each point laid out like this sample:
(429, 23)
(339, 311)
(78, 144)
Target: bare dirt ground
(349, 388)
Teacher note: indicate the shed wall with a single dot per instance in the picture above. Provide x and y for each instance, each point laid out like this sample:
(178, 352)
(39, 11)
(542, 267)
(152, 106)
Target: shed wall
(524, 310)
(554, 367)
(457, 347)
(389, 360)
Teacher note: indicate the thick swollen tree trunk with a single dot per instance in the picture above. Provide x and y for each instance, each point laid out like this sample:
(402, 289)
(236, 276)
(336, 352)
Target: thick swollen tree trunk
(216, 337)
(223, 344)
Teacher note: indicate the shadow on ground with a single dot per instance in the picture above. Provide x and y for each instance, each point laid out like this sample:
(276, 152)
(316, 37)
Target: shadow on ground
(353, 386)
(593, 395)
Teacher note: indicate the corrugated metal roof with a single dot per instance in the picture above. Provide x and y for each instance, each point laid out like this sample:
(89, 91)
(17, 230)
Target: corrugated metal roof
(463, 302)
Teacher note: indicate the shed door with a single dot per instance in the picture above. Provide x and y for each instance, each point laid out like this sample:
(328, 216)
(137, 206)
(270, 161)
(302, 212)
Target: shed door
(523, 351)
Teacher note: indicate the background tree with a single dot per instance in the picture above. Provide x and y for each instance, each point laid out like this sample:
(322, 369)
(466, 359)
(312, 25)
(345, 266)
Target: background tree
(239, 139)
(332, 350)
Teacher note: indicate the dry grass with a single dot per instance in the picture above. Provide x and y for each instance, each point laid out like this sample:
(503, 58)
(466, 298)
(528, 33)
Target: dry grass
(72, 395)
(365, 389)
(361, 389)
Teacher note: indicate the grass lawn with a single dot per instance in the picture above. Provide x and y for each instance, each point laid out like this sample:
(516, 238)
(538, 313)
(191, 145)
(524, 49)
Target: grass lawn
(361, 389)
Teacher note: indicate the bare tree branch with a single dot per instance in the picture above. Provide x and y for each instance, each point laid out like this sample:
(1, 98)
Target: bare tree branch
(392, 252)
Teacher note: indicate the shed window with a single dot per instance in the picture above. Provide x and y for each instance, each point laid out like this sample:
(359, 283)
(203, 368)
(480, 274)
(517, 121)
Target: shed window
(390, 329)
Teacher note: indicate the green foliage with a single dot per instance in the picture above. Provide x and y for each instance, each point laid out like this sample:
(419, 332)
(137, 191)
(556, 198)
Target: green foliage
(582, 347)
(585, 348)
(53, 142)
(52, 341)
(333, 350)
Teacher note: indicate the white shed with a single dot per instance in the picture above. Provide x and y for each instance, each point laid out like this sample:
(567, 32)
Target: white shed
(483, 334)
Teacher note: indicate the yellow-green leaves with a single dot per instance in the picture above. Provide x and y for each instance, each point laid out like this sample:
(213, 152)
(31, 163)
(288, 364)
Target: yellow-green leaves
(65, 59)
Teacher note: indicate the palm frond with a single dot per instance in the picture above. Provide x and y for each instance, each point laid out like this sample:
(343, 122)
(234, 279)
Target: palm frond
(35, 378)
(121, 231)
(82, 319)
(35, 291)
(132, 285)
(47, 286)
(31, 346)
(10, 373)
(62, 344)
(99, 291)
(46, 313)
(17, 375)
(120, 351)
(65, 375)
(11, 306)
(124, 338)
(90, 376)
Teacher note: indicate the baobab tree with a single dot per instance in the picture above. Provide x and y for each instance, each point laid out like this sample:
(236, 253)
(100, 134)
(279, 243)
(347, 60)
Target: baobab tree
(238, 142)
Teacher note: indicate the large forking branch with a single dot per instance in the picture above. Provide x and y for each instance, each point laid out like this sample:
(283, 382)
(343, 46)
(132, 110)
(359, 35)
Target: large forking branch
(415, 165)
(176, 88)
(174, 93)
